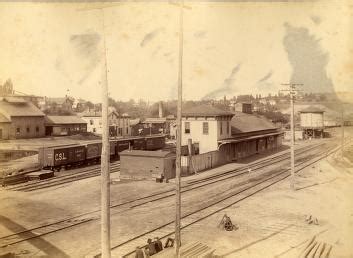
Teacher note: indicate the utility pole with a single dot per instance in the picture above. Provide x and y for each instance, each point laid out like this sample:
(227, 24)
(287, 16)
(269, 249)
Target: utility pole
(105, 169)
(179, 135)
(342, 127)
(292, 91)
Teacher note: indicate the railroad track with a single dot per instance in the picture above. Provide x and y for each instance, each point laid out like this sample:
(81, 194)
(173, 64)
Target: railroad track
(59, 180)
(256, 185)
(130, 204)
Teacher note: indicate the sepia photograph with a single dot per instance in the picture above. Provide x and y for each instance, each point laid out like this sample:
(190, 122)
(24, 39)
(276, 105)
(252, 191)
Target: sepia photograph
(176, 128)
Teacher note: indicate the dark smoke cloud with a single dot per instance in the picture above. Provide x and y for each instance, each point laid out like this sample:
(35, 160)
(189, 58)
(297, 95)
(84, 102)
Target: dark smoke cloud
(226, 87)
(86, 48)
(307, 59)
(149, 36)
(266, 77)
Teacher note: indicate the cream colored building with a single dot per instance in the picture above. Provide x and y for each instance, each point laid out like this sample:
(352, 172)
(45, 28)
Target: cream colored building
(206, 125)
(119, 125)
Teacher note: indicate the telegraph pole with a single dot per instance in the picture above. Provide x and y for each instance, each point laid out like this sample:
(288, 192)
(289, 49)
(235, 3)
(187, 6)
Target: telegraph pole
(105, 182)
(179, 133)
(292, 91)
(105, 169)
(342, 128)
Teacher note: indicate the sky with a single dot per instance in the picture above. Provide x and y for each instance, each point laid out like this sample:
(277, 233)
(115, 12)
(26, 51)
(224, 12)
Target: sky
(229, 48)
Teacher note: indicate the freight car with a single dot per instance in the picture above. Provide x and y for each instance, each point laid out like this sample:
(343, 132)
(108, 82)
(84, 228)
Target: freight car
(94, 151)
(57, 157)
(62, 156)
(155, 142)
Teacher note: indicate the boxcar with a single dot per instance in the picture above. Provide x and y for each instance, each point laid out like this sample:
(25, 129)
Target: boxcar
(139, 144)
(155, 143)
(56, 157)
(122, 145)
(113, 145)
(93, 151)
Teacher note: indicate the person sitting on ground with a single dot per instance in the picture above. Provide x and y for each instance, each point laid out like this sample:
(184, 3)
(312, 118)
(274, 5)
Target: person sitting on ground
(158, 245)
(139, 253)
(169, 242)
(151, 247)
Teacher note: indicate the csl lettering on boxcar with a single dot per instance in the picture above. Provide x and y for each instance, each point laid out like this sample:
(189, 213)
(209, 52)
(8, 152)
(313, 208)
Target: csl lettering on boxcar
(60, 156)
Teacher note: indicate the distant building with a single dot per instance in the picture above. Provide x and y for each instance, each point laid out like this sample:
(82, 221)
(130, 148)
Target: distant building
(119, 125)
(62, 104)
(20, 119)
(243, 107)
(64, 125)
(312, 122)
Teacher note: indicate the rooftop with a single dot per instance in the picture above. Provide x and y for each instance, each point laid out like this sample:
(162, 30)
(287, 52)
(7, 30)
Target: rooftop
(244, 123)
(312, 109)
(19, 108)
(155, 120)
(142, 153)
(15, 100)
(206, 111)
(52, 120)
(134, 121)
(4, 119)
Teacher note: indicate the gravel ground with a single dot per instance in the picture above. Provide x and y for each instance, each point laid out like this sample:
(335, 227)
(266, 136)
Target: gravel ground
(270, 223)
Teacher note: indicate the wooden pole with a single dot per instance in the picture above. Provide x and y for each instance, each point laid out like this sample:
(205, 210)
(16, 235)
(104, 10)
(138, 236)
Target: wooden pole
(292, 140)
(179, 135)
(292, 90)
(189, 154)
(342, 136)
(105, 181)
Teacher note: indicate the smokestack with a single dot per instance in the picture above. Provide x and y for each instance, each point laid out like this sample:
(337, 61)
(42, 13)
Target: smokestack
(160, 109)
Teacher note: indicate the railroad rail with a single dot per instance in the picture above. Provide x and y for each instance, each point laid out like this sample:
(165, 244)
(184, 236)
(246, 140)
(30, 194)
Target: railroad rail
(126, 248)
(59, 180)
(130, 204)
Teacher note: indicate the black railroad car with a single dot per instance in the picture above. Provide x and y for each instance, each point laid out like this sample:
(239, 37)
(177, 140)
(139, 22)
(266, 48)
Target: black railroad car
(113, 151)
(155, 142)
(121, 145)
(93, 151)
(56, 157)
(139, 144)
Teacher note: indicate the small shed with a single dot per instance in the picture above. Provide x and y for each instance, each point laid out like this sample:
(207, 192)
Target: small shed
(139, 164)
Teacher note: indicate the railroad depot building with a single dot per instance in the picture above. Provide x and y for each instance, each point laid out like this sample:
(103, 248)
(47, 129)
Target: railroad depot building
(64, 125)
(224, 136)
(20, 119)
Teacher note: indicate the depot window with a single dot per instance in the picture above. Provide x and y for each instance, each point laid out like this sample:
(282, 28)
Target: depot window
(227, 127)
(187, 127)
(221, 127)
(205, 127)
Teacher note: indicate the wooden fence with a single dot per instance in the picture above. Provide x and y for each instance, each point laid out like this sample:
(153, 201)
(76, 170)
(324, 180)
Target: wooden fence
(203, 161)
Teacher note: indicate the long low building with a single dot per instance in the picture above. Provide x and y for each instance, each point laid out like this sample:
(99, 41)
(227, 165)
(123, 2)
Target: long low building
(64, 125)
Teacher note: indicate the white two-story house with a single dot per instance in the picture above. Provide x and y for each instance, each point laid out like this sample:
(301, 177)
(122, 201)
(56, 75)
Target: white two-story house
(206, 125)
